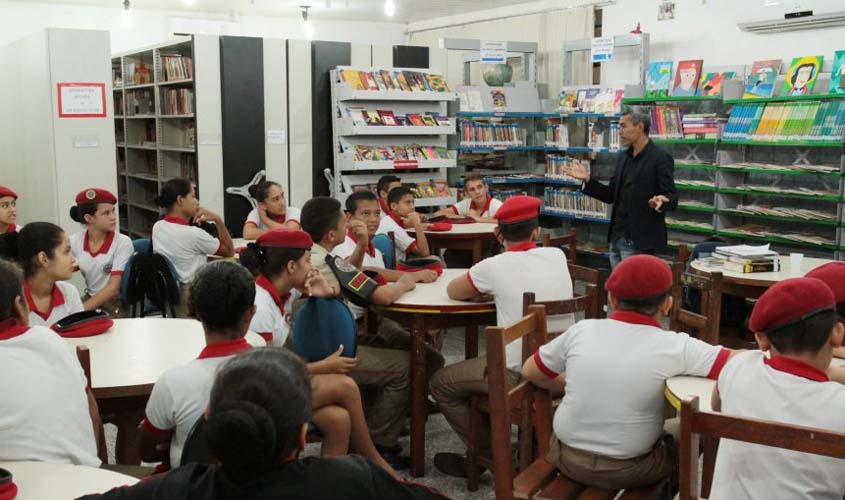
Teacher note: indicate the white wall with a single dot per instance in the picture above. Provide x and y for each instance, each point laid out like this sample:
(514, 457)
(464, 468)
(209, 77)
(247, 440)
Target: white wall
(707, 30)
(21, 18)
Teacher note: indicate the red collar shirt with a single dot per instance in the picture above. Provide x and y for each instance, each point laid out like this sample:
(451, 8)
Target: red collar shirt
(272, 319)
(254, 217)
(65, 301)
(488, 210)
(186, 247)
(98, 267)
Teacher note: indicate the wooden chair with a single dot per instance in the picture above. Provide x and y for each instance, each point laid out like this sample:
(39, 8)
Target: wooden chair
(705, 323)
(595, 278)
(570, 240)
(505, 406)
(696, 424)
(84, 357)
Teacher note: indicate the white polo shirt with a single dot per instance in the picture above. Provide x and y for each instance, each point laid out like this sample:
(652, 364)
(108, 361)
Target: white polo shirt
(273, 314)
(488, 210)
(180, 396)
(787, 391)
(254, 218)
(44, 409)
(372, 258)
(110, 260)
(523, 268)
(616, 371)
(405, 243)
(186, 247)
(65, 301)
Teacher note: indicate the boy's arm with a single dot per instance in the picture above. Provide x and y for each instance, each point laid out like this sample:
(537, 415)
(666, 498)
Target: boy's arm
(421, 249)
(532, 373)
(157, 427)
(461, 288)
(390, 293)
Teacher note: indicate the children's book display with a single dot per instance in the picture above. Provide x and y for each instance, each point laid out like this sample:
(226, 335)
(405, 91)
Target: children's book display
(820, 121)
(404, 80)
(711, 83)
(386, 117)
(658, 78)
(837, 74)
(576, 203)
(400, 152)
(802, 75)
(479, 134)
(591, 100)
(686, 78)
(760, 82)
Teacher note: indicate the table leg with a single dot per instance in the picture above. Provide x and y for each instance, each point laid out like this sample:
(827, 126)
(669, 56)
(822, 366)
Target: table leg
(476, 251)
(471, 342)
(419, 394)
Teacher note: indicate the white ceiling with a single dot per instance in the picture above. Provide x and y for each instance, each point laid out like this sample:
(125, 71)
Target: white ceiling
(364, 10)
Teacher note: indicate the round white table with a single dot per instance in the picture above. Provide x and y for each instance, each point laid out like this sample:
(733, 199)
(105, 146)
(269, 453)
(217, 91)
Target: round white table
(426, 308)
(470, 237)
(127, 360)
(46, 481)
(763, 280)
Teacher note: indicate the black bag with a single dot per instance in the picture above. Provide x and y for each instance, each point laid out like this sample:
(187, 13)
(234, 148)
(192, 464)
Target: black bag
(356, 285)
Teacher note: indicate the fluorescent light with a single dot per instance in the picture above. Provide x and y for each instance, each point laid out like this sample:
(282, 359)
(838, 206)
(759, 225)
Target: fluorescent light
(189, 3)
(308, 29)
(126, 16)
(389, 8)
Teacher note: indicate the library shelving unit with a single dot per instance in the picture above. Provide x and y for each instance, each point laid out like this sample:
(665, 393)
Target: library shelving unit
(155, 127)
(353, 171)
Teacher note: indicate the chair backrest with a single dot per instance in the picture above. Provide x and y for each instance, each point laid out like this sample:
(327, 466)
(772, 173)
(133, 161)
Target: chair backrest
(570, 240)
(696, 424)
(580, 303)
(532, 330)
(595, 277)
(196, 449)
(159, 283)
(697, 323)
(84, 357)
(386, 245)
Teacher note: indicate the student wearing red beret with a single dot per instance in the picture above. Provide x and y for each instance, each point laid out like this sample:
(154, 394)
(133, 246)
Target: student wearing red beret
(833, 274)
(609, 428)
(796, 322)
(101, 252)
(8, 210)
(522, 267)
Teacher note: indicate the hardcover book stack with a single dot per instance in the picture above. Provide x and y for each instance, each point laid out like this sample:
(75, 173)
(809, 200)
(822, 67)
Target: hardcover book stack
(820, 121)
(748, 259)
(701, 125)
(405, 80)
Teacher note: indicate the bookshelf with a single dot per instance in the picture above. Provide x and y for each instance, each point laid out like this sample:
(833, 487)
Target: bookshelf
(155, 127)
(390, 130)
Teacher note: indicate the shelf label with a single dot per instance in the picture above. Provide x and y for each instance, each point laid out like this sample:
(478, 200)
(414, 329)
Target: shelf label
(601, 49)
(493, 52)
(275, 137)
(409, 164)
(82, 100)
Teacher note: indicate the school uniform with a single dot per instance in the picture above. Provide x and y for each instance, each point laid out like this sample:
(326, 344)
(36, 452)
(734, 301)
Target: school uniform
(11, 229)
(372, 258)
(98, 267)
(384, 208)
(44, 412)
(254, 217)
(491, 206)
(405, 243)
(342, 478)
(522, 268)
(64, 302)
(273, 313)
(782, 390)
(186, 247)
(180, 396)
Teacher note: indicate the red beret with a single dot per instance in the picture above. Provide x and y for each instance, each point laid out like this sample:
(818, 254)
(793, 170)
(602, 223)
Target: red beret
(789, 301)
(518, 209)
(639, 277)
(833, 274)
(285, 238)
(95, 195)
(4, 191)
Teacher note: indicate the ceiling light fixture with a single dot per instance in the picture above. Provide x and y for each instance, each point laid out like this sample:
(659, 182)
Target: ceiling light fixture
(307, 26)
(126, 16)
(389, 8)
(189, 3)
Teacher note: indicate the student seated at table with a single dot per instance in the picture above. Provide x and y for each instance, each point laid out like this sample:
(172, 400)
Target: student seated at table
(272, 211)
(609, 428)
(383, 363)
(796, 322)
(281, 261)
(185, 245)
(523, 267)
(386, 184)
(46, 412)
(833, 274)
(478, 204)
(43, 251)
(400, 202)
(8, 210)
(257, 420)
(101, 252)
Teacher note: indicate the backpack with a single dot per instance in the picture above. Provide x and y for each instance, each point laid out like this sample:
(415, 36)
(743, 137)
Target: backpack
(158, 283)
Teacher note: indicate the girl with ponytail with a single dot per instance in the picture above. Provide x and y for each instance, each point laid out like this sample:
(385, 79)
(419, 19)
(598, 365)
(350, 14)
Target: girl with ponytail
(101, 252)
(272, 211)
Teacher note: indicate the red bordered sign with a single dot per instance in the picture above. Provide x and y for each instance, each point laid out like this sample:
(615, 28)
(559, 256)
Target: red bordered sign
(405, 164)
(82, 100)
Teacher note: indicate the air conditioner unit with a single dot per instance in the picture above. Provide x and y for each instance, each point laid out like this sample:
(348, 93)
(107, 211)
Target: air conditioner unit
(766, 16)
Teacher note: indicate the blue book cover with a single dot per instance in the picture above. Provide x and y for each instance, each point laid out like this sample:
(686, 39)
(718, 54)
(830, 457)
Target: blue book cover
(658, 79)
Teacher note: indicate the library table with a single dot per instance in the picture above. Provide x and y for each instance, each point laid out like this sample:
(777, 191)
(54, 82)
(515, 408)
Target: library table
(46, 481)
(472, 237)
(423, 309)
(127, 360)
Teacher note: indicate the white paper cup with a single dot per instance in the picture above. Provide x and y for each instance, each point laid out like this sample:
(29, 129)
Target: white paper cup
(795, 261)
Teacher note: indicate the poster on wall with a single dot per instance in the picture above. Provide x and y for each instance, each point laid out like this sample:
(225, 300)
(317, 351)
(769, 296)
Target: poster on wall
(82, 100)
(666, 10)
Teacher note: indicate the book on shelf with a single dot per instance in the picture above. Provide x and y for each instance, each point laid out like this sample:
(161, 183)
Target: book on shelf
(658, 78)
(140, 102)
(384, 79)
(177, 101)
(387, 117)
(686, 78)
(442, 121)
(428, 120)
(558, 166)
(138, 74)
(188, 166)
(802, 75)
(557, 135)
(480, 134)
(416, 120)
(116, 78)
(592, 100)
(177, 67)
(500, 102)
(711, 83)
(573, 202)
(761, 80)
(808, 120)
(837, 73)
(353, 78)
(372, 118)
(400, 152)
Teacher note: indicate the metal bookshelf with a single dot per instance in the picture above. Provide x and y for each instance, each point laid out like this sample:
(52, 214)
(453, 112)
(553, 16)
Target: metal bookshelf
(152, 146)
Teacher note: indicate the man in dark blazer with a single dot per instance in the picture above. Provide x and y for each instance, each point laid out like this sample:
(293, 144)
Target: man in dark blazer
(642, 189)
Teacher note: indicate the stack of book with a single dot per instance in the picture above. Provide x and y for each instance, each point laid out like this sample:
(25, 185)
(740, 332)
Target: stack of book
(385, 79)
(177, 67)
(701, 125)
(787, 121)
(178, 102)
(666, 122)
(748, 258)
(491, 134)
